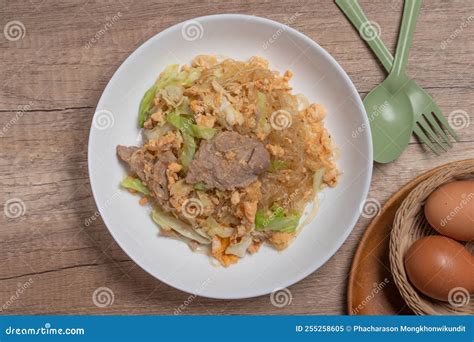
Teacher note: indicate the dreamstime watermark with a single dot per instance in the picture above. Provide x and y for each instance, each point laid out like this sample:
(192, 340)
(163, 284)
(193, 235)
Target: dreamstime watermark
(14, 208)
(21, 110)
(14, 30)
(370, 30)
(281, 297)
(105, 28)
(466, 198)
(19, 291)
(88, 221)
(192, 208)
(192, 30)
(464, 24)
(103, 297)
(47, 329)
(103, 119)
(179, 309)
(281, 119)
(370, 208)
(459, 119)
(375, 113)
(459, 297)
(376, 289)
(287, 22)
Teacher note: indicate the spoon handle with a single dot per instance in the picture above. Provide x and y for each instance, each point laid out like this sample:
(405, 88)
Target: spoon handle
(355, 14)
(411, 9)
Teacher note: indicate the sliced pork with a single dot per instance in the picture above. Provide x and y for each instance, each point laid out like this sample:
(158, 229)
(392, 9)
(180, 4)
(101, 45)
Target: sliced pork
(228, 161)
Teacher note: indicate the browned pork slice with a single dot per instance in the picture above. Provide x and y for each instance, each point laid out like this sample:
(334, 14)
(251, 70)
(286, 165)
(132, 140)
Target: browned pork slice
(125, 153)
(135, 158)
(151, 170)
(159, 181)
(228, 161)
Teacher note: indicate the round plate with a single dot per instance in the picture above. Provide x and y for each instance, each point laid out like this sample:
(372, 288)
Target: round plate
(316, 74)
(371, 288)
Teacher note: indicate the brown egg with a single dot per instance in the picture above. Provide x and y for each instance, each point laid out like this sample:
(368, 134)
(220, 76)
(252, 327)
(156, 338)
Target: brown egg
(450, 210)
(436, 264)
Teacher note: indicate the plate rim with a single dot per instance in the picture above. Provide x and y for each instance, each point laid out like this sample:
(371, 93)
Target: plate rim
(353, 92)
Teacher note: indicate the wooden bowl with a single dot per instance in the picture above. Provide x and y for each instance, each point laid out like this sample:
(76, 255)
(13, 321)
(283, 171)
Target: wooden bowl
(409, 225)
(370, 268)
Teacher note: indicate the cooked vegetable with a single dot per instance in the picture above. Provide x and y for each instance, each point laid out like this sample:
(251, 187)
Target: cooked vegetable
(261, 109)
(202, 232)
(173, 95)
(167, 221)
(191, 75)
(181, 122)
(188, 151)
(203, 132)
(146, 105)
(157, 131)
(228, 114)
(277, 221)
(170, 76)
(240, 249)
(186, 125)
(214, 228)
(278, 165)
(180, 189)
(303, 102)
(284, 224)
(200, 186)
(317, 182)
(134, 184)
(183, 108)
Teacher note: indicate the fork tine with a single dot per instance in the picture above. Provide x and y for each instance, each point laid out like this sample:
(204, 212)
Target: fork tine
(438, 129)
(422, 136)
(445, 124)
(431, 135)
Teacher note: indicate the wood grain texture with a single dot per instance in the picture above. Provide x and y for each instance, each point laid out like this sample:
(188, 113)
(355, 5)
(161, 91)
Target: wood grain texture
(51, 83)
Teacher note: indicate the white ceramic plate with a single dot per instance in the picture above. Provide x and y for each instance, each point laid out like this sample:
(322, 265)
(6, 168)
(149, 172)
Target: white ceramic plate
(316, 74)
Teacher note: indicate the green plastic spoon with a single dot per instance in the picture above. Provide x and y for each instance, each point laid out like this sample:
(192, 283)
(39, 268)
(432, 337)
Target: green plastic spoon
(388, 106)
(429, 120)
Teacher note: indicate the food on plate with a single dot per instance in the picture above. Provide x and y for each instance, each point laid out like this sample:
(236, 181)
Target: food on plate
(437, 266)
(450, 210)
(231, 156)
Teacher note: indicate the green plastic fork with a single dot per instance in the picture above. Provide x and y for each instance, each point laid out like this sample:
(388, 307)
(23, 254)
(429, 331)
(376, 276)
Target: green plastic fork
(429, 120)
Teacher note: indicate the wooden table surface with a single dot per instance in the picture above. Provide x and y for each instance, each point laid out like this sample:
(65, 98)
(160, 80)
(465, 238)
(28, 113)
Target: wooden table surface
(53, 72)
